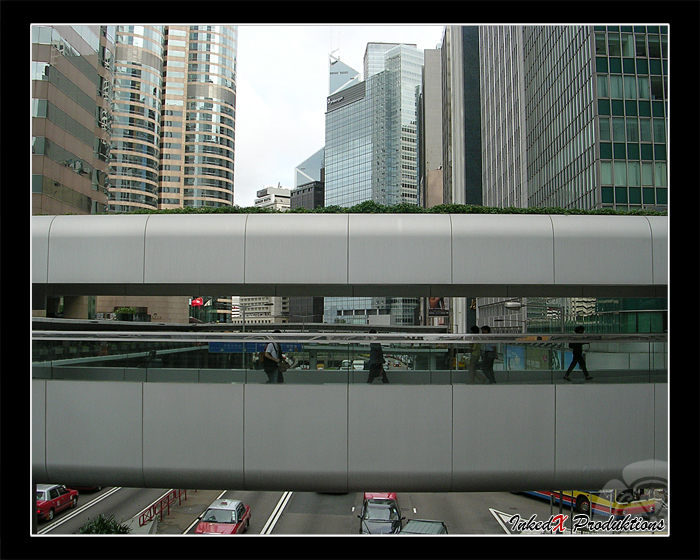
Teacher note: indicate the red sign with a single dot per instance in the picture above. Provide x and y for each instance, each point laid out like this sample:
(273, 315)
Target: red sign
(197, 301)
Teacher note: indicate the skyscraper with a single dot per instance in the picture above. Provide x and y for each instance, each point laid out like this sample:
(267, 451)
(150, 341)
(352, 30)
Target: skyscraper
(136, 102)
(340, 75)
(572, 117)
(461, 116)
(371, 137)
(71, 72)
(71, 117)
(371, 154)
(174, 103)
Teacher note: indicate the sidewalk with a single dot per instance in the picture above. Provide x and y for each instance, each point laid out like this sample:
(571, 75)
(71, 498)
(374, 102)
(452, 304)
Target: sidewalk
(181, 516)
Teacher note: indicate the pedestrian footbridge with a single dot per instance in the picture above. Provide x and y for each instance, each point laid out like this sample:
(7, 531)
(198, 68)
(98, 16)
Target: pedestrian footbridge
(399, 255)
(192, 410)
(145, 409)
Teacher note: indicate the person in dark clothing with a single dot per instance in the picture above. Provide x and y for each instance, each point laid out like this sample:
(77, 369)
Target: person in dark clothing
(271, 362)
(376, 362)
(489, 355)
(577, 350)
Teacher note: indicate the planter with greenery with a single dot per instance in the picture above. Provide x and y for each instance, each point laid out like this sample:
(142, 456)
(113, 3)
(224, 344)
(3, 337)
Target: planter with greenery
(103, 526)
(371, 207)
(125, 313)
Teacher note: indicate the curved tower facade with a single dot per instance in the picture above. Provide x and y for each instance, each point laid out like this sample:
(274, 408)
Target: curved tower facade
(136, 104)
(208, 96)
(174, 105)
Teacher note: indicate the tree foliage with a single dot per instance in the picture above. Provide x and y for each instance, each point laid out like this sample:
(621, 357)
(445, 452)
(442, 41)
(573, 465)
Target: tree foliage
(104, 526)
(371, 207)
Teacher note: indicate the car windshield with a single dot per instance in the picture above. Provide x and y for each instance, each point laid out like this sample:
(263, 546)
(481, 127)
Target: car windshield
(213, 515)
(383, 510)
(41, 496)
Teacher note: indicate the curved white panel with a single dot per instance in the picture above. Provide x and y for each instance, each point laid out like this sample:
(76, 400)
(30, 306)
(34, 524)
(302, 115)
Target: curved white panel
(351, 254)
(659, 235)
(296, 249)
(602, 250)
(427, 438)
(180, 248)
(41, 226)
(502, 249)
(97, 249)
(399, 249)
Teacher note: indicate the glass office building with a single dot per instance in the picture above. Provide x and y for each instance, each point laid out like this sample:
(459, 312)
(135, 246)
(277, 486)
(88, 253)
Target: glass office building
(575, 117)
(71, 72)
(174, 107)
(631, 94)
(136, 106)
(371, 154)
(210, 115)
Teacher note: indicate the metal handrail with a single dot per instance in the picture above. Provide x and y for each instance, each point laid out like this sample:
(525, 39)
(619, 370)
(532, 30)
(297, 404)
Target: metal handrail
(340, 338)
(159, 507)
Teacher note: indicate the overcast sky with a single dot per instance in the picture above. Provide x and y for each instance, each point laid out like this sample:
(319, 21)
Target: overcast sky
(282, 85)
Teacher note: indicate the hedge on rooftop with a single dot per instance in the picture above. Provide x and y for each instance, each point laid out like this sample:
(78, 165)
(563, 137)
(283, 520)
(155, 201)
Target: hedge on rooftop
(371, 207)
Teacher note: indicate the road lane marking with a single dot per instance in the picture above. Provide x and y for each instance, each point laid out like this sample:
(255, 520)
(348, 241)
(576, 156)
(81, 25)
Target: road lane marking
(77, 511)
(196, 521)
(152, 503)
(501, 518)
(276, 513)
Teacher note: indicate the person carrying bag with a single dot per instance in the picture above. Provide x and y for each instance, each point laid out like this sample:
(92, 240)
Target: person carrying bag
(274, 363)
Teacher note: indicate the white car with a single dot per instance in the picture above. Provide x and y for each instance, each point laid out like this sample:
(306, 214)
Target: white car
(357, 365)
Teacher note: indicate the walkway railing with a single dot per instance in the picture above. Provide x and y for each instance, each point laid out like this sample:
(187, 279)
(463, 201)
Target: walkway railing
(319, 358)
(162, 506)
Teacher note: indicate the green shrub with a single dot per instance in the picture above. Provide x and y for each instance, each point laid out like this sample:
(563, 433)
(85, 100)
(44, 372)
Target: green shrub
(103, 526)
(371, 207)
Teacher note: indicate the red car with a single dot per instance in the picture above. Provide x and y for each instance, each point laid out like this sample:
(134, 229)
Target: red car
(224, 517)
(52, 498)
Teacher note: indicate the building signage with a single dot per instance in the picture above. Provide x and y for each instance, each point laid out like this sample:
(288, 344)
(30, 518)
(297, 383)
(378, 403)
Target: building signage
(250, 347)
(345, 97)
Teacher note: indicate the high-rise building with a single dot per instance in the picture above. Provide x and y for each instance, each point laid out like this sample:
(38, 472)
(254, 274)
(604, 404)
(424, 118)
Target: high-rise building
(174, 106)
(461, 116)
(430, 131)
(132, 117)
(173, 135)
(340, 75)
(71, 117)
(571, 117)
(311, 169)
(71, 72)
(371, 154)
(574, 116)
(136, 103)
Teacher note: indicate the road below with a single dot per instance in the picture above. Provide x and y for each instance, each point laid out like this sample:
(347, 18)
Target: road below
(307, 513)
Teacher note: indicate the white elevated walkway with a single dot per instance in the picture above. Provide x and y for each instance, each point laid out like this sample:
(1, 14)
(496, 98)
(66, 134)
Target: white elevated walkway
(396, 255)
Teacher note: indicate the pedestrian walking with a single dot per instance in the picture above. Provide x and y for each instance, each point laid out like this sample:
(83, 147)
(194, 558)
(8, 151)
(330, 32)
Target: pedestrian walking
(489, 355)
(578, 357)
(272, 360)
(376, 362)
(474, 358)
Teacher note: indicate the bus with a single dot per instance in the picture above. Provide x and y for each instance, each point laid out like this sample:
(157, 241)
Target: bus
(617, 503)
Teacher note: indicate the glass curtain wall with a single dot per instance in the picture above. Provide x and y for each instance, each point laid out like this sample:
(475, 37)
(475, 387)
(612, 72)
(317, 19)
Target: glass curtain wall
(71, 72)
(631, 85)
(136, 106)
